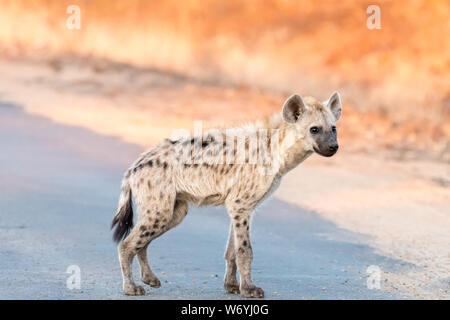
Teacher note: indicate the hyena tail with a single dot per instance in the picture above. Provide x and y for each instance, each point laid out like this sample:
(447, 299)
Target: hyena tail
(123, 220)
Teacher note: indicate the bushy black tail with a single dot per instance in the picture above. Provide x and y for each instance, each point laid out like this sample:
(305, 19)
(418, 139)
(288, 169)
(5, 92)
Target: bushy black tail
(123, 220)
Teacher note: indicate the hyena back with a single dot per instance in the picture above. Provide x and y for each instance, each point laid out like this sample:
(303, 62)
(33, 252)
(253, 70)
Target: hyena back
(237, 168)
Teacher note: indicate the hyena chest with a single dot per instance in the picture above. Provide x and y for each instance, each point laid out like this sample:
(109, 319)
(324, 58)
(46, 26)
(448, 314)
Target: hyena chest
(273, 186)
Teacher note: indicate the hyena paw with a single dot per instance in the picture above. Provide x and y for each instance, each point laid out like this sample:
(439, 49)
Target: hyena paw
(133, 290)
(152, 281)
(232, 288)
(252, 292)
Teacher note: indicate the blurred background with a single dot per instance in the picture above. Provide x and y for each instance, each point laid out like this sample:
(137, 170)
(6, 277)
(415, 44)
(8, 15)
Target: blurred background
(139, 69)
(225, 61)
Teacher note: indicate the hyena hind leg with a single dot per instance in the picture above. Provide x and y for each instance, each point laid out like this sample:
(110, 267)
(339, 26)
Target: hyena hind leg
(147, 275)
(179, 212)
(152, 222)
(127, 250)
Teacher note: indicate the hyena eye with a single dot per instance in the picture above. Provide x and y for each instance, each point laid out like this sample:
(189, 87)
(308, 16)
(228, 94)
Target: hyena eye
(314, 130)
(333, 128)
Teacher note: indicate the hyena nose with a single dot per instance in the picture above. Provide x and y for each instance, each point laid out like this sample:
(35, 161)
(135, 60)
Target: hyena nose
(333, 147)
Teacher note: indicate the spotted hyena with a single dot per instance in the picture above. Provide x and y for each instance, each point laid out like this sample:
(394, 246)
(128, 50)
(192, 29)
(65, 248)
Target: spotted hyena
(237, 168)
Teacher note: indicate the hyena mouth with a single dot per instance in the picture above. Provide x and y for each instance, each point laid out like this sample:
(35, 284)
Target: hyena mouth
(324, 154)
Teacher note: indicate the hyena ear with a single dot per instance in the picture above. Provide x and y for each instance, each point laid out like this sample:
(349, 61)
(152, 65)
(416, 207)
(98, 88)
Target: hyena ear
(334, 103)
(293, 108)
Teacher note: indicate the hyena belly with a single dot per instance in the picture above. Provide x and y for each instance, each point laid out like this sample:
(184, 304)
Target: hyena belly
(203, 184)
(209, 200)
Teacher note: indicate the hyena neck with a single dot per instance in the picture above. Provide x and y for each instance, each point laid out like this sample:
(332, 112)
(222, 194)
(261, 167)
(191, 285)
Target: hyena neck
(292, 149)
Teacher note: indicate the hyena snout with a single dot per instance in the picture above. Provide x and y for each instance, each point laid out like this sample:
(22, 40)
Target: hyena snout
(325, 141)
(333, 148)
(327, 148)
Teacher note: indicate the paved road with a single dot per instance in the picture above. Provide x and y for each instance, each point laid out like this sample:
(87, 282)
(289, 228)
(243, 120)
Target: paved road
(59, 187)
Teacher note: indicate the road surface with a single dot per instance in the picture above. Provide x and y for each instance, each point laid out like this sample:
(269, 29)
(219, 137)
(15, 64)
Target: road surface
(59, 190)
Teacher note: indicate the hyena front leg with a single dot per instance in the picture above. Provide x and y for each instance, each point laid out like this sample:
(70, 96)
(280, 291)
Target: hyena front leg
(244, 255)
(231, 284)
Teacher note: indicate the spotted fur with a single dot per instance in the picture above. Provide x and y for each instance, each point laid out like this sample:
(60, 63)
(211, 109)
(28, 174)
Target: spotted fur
(237, 168)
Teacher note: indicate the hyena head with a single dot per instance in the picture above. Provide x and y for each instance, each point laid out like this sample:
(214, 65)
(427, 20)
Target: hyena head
(314, 121)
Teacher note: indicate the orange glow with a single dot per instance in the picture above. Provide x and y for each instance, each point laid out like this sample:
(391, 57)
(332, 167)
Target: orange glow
(396, 79)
